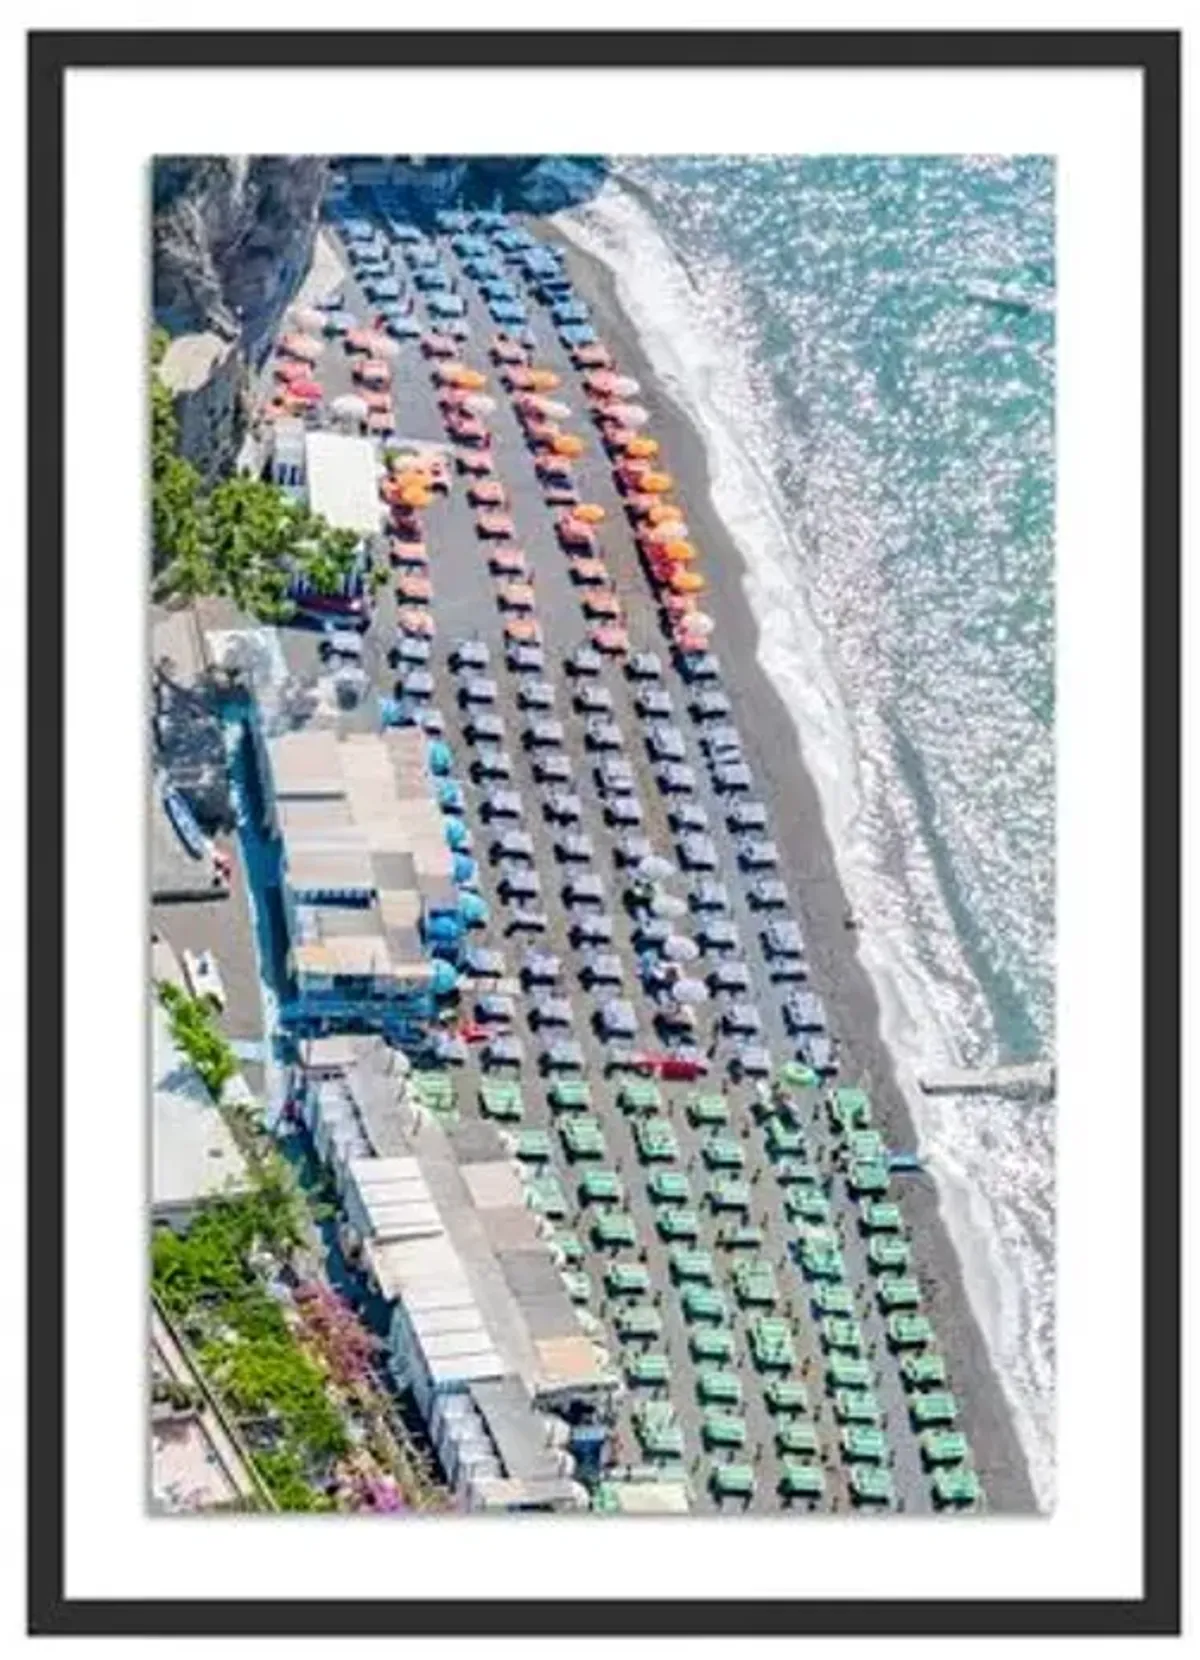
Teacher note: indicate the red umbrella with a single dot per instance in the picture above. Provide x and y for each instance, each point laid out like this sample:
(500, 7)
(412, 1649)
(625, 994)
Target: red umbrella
(308, 391)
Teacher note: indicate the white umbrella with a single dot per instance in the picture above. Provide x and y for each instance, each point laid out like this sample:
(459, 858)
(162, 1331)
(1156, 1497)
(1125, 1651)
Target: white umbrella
(680, 949)
(655, 866)
(350, 407)
(629, 414)
(382, 345)
(624, 386)
(699, 622)
(668, 904)
(555, 410)
(479, 403)
(690, 991)
(308, 319)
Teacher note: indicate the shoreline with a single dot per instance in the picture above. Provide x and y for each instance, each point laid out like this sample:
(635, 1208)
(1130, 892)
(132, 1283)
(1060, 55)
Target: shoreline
(774, 749)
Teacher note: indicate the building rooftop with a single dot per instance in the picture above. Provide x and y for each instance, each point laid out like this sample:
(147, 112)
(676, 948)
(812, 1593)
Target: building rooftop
(343, 485)
(194, 1154)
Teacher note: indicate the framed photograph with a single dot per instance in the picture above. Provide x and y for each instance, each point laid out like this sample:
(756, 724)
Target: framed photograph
(604, 833)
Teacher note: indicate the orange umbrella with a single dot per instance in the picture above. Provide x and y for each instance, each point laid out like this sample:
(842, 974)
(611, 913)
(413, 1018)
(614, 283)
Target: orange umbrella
(543, 380)
(642, 447)
(472, 379)
(517, 596)
(687, 582)
(414, 588)
(680, 553)
(664, 510)
(416, 495)
(523, 630)
(655, 484)
(589, 512)
(566, 443)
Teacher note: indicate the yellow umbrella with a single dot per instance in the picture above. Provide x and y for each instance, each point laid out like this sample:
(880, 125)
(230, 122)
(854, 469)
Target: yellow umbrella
(567, 444)
(642, 447)
(415, 495)
(680, 553)
(543, 380)
(671, 530)
(472, 379)
(664, 510)
(590, 513)
(688, 582)
(655, 484)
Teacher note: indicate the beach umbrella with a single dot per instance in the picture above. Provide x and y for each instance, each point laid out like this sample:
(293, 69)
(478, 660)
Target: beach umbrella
(689, 991)
(687, 582)
(794, 1075)
(589, 512)
(700, 623)
(542, 380)
(378, 399)
(677, 948)
(662, 511)
(661, 535)
(415, 495)
(472, 379)
(615, 436)
(566, 443)
(655, 867)
(307, 391)
(625, 386)
(655, 484)
(291, 370)
(456, 832)
(302, 345)
(629, 414)
(381, 421)
(382, 345)
(479, 403)
(410, 620)
(307, 319)
(668, 904)
(350, 407)
(610, 637)
(680, 553)
(555, 409)
(642, 448)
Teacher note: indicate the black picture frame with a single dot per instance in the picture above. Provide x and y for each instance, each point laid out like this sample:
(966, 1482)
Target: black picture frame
(1156, 55)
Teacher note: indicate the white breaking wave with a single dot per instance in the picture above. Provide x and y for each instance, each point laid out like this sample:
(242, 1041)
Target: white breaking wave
(932, 1009)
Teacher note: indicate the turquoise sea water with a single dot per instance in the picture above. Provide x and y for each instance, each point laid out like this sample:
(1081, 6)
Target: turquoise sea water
(867, 345)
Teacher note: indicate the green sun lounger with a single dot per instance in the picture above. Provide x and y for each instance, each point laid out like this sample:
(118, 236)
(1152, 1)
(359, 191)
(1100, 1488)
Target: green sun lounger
(711, 1344)
(866, 1147)
(568, 1246)
(723, 1429)
(723, 1152)
(936, 1408)
(801, 1481)
(662, 1441)
(545, 1195)
(847, 1372)
(795, 1075)
(956, 1487)
(502, 1102)
(579, 1287)
(732, 1481)
(648, 1371)
(771, 1345)
(864, 1443)
(807, 1204)
(728, 1193)
(640, 1095)
(797, 1440)
(656, 1142)
(856, 1406)
(923, 1371)
(880, 1216)
(701, 1302)
(740, 1236)
(639, 1324)
(627, 1279)
(533, 1147)
(794, 1172)
(755, 1285)
(783, 1139)
(944, 1446)
(669, 1187)
(908, 1331)
(786, 1396)
(601, 1187)
(871, 1484)
(832, 1299)
(583, 1138)
(707, 1109)
(614, 1230)
(569, 1095)
(715, 1387)
(868, 1177)
(689, 1264)
(821, 1262)
(841, 1334)
(897, 1291)
(849, 1109)
(677, 1222)
(888, 1255)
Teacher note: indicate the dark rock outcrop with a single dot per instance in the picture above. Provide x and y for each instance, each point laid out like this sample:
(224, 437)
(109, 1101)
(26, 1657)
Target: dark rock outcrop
(233, 238)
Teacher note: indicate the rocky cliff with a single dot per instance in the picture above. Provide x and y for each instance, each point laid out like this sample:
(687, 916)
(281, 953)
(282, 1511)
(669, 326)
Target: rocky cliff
(232, 239)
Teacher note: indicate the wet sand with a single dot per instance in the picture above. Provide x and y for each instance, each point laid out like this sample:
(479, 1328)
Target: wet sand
(773, 748)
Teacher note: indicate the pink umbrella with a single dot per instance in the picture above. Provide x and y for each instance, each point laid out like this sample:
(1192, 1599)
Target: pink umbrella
(629, 414)
(301, 345)
(308, 391)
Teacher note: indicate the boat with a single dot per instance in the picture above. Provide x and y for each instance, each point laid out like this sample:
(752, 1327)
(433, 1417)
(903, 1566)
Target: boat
(1007, 297)
(184, 822)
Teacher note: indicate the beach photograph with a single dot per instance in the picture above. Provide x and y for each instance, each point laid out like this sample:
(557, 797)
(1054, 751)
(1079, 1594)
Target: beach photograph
(601, 835)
